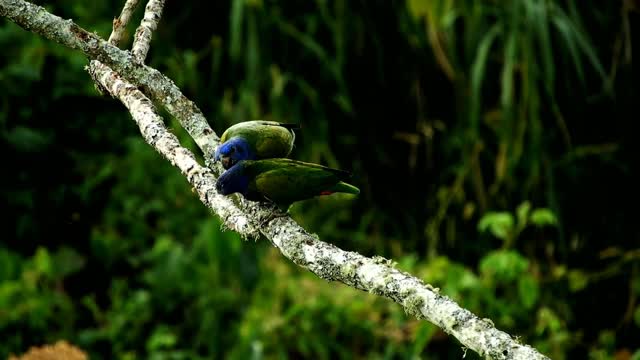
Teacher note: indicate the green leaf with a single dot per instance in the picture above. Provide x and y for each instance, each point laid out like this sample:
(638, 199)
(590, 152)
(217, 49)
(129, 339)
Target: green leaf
(478, 72)
(588, 49)
(543, 217)
(10, 264)
(577, 280)
(528, 290)
(26, 139)
(162, 338)
(510, 60)
(503, 265)
(423, 336)
(499, 223)
(547, 319)
(418, 8)
(42, 261)
(563, 26)
(522, 213)
(67, 261)
(539, 17)
(235, 29)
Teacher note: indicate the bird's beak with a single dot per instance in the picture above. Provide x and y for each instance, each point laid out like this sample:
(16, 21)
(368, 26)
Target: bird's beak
(227, 161)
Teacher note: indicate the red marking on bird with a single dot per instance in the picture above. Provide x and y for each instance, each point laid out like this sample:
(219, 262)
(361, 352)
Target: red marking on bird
(326, 192)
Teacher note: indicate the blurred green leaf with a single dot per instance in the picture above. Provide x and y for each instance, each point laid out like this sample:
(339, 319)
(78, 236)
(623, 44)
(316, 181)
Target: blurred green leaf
(508, 75)
(503, 265)
(67, 261)
(43, 262)
(27, 139)
(161, 338)
(10, 265)
(578, 280)
(235, 43)
(418, 8)
(543, 217)
(528, 290)
(423, 336)
(500, 224)
(478, 72)
(522, 214)
(548, 320)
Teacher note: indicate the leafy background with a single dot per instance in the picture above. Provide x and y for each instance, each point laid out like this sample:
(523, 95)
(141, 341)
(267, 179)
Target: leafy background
(493, 143)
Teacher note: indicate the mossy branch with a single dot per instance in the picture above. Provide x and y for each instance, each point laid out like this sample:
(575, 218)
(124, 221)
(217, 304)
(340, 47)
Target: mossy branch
(375, 275)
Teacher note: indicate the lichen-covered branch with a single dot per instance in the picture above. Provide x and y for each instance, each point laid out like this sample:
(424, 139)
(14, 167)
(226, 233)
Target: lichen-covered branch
(120, 23)
(157, 86)
(156, 134)
(142, 39)
(375, 275)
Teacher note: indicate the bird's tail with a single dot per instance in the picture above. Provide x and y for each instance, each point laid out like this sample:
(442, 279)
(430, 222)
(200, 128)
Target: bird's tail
(343, 187)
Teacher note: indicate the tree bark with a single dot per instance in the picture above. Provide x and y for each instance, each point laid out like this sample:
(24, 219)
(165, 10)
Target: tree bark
(149, 23)
(120, 23)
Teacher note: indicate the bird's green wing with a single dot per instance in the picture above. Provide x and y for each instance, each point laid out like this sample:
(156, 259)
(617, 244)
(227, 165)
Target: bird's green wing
(274, 142)
(285, 181)
(295, 167)
(269, 139)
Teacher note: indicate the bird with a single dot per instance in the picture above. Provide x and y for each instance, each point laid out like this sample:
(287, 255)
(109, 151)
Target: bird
(255, 140)
(283, 181)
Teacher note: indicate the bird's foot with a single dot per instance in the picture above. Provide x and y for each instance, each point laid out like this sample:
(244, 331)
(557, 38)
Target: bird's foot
(274, 213)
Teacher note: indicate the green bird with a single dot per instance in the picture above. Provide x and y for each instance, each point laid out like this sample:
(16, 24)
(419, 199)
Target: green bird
(254, 140)
(283, 181)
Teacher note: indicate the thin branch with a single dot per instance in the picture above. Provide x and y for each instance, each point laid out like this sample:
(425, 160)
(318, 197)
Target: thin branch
(376, 275)
(148, 25)
(120, 23)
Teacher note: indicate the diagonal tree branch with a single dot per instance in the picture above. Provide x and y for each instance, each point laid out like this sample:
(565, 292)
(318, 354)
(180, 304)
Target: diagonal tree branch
(156, 134)
(120, 23)
(157, 86)
(376, 275)
(142, 40)
(152, 127)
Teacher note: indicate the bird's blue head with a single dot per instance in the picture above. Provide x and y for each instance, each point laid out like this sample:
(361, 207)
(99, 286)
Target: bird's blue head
(233, 180)
(232, 151)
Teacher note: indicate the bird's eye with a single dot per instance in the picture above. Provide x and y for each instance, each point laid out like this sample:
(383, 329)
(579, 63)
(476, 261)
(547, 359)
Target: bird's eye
(233, 149)
(239, 150)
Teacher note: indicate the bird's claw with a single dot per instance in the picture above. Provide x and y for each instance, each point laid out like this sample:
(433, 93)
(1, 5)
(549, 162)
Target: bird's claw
(274, 213)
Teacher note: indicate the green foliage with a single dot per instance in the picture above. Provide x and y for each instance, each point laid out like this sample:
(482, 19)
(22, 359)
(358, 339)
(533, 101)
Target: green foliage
(503, 266)
(29, 298)
(506, 227)
(499, 223)
(490, 139)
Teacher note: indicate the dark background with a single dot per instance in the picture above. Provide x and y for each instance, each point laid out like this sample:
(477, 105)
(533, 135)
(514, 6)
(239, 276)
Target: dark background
(493, 143)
